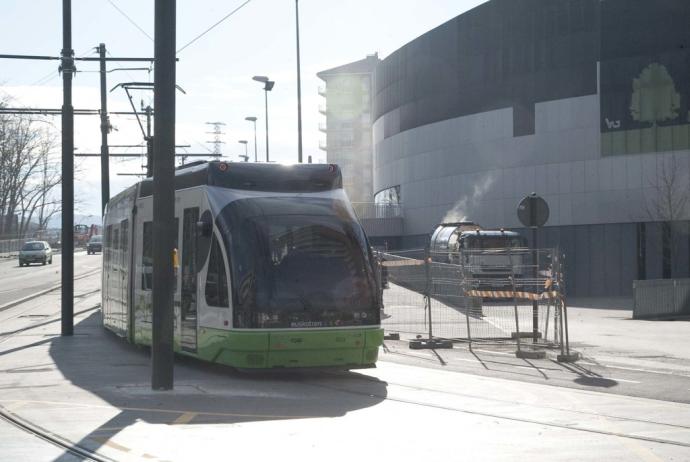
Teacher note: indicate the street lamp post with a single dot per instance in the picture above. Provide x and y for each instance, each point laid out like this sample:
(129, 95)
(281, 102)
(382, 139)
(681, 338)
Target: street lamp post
(268, 86)
(246, 155)
(253, 119)
(299, 89)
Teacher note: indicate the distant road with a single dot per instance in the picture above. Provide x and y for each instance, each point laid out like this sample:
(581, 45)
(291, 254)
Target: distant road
(17, 283)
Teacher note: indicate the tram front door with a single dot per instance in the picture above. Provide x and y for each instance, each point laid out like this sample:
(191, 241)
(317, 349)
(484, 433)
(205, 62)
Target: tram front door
(189, 296)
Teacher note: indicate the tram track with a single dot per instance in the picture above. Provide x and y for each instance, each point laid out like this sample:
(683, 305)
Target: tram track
(513, 418)
(51, 438)
(40, 293)
(27, 426)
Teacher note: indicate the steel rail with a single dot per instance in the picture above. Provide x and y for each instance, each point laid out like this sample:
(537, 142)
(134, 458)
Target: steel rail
(40, 432)
(50, 437)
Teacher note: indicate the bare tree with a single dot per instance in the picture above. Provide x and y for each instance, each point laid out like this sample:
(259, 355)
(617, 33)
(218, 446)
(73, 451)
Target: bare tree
(668, 204)
(670, 193)
(28, 176)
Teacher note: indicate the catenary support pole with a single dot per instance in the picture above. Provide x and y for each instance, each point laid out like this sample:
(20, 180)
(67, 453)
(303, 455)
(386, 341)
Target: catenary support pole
(149, 143)
(299, 89)
(163, 196)
(67, 66)
(105, 129)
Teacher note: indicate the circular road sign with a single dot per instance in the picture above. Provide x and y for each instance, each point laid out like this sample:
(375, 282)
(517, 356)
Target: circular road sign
(533, 211)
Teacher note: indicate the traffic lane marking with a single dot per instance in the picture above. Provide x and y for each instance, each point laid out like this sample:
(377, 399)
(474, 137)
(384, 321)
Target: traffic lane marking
(162, 411)
(635, 369)
(622, 380)
(185, 418)
(110, 443)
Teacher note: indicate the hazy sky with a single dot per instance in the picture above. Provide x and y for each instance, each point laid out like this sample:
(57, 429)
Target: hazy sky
(215, 71)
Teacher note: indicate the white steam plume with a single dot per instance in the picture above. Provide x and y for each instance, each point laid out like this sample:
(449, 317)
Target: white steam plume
(460, 209)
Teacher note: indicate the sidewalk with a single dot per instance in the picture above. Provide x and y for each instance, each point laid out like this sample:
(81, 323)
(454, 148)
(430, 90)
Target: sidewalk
(606, 331)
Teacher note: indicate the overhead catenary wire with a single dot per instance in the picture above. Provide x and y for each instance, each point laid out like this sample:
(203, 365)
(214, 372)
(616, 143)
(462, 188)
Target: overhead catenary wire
(131, 21)
(214, 25)
(54, 73)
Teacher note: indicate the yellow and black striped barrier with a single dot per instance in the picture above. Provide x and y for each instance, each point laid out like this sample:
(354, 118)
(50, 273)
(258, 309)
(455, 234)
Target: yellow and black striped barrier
(512, 294)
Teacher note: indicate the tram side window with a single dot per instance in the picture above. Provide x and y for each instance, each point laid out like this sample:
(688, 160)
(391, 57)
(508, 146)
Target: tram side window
(216, 278)
(147, 257)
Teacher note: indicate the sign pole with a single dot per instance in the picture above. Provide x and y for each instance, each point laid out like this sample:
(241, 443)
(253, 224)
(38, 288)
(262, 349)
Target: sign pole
(533, 212)
(535, 271)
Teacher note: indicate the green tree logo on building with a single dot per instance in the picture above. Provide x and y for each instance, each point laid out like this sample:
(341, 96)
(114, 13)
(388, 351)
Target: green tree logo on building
(654, 97)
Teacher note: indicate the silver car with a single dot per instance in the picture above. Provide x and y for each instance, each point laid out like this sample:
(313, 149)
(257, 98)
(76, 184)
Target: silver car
(35, 252)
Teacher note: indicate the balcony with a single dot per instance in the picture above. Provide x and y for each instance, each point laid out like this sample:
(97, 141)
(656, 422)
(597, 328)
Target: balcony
(323, 145)
(322, 91)
(323, 127)
(366, 210)
(323, 109)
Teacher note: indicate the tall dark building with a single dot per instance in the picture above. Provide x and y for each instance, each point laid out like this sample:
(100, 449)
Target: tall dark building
(585, 102)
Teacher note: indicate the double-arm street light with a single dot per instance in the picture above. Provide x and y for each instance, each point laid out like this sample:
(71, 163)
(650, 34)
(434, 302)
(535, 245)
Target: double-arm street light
(268, 86)
(246, 155)
(253, 119)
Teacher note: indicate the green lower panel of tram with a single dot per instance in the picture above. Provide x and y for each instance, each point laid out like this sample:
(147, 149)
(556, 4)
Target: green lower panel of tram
(283, 349)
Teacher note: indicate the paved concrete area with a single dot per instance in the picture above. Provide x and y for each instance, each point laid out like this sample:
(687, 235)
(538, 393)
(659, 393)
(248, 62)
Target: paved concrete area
(93, 389)
(608, 333)
(18, 282)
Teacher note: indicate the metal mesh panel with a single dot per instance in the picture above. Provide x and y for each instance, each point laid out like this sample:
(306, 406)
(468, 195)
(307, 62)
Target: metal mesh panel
(492, 296)
(659, 298)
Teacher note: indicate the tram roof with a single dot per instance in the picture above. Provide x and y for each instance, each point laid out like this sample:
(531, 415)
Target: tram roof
(255, 177)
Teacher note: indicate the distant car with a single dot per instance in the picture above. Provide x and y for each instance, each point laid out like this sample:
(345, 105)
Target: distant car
(35, 252)
(94, 245)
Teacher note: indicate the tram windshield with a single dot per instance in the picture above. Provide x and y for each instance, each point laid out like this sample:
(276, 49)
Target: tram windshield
(298, 262)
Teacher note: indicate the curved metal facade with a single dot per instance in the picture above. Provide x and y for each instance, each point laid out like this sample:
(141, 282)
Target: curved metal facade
(586, 102)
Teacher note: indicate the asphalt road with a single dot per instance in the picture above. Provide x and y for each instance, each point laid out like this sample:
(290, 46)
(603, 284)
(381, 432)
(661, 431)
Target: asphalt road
(18, 282)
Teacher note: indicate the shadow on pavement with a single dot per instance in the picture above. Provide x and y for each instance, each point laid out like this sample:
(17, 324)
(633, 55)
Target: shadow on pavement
(588, 377)
(119, 373)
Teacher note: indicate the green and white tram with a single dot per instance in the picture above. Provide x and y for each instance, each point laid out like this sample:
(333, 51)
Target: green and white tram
(274, 268)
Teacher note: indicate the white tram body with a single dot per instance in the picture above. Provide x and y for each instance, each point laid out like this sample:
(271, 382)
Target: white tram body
(274, 268)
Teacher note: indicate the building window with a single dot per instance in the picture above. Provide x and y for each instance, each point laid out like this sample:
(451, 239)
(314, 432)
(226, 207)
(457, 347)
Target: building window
(388, 196)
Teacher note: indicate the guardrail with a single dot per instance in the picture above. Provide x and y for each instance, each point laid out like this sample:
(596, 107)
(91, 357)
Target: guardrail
(661, 298)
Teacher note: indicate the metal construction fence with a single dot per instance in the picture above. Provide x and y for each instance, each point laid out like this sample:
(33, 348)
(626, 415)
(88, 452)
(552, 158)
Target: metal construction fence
(661, 298)
(512, 297)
